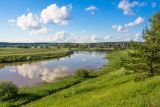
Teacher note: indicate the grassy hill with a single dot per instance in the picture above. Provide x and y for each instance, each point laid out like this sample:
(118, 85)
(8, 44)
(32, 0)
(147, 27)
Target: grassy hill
(116, 88)
(111, 86)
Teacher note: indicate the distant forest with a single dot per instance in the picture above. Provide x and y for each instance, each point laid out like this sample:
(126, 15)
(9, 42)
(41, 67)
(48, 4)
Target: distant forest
(66, 45)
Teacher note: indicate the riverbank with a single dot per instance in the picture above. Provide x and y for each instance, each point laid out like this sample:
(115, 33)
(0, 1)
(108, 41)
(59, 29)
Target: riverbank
(115, 87)
(30, 94)
(10, 55)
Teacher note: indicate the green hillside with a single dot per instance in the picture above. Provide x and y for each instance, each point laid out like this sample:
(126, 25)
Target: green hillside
(116, 88)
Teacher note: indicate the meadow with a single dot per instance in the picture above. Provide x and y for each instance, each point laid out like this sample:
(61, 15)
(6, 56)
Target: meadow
(110, 86)
(8, 55)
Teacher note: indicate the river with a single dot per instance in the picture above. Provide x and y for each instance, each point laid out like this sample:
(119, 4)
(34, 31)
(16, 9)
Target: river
(28, 74)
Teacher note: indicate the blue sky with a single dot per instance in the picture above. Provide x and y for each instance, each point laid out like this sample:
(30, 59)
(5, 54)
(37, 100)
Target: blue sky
(74, 20)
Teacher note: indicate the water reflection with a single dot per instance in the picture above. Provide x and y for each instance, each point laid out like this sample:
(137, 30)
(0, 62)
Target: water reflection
(47, 74)
(27, 74)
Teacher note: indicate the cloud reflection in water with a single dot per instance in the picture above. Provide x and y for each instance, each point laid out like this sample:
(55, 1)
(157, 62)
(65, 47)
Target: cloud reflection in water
(46, 73)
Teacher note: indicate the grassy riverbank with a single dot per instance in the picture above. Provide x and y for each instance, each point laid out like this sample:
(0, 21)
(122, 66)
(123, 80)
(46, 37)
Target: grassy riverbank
(112, 86)
(116, 88)
(9, 55)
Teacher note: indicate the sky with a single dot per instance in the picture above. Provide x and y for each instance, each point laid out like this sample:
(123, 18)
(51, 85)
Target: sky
(76, 21)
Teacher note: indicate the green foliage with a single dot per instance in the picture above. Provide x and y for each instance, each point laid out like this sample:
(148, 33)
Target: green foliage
(146, 55)
(82, 73)
(141, 77)
(7, 90)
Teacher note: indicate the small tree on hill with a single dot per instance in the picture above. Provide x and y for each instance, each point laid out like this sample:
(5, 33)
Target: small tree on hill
(146, 55)
(7, 90)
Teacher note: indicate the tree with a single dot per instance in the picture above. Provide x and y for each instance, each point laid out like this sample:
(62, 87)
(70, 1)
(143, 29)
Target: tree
(146, 55)
(7, 90)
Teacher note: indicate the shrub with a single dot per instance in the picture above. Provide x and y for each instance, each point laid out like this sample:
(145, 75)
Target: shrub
(82, 73)
(7, 90)
(140, 77)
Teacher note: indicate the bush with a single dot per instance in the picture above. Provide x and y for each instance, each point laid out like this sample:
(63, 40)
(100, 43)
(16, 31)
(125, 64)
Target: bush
(141, 77)
(7, 90)
(82, 73)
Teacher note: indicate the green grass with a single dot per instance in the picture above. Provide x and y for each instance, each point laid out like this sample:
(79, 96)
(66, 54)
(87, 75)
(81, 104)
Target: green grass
(29, 94)
(8, 55)
(19, 51)
(113, 89)
(110, 87)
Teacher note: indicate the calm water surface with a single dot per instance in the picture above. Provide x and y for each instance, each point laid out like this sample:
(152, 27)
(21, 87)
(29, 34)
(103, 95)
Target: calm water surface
(28, 74)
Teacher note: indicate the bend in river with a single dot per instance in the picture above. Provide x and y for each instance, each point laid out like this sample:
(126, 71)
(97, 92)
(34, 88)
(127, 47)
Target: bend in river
(28, 74)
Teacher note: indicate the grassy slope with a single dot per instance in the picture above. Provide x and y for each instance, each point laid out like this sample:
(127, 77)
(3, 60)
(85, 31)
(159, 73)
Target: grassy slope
(29, 94)
(113, 89)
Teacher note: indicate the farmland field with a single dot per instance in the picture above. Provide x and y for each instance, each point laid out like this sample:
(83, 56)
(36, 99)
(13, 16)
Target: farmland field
(30, 54)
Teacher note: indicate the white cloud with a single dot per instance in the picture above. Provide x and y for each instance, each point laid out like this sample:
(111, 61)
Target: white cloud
(31, 23)
(108, 38)
(60, 37)
(119, 28)
(138, 37)
(11, 21)
(124, 28)
(94, 38)
(64, 37)
(127, 6)
(132, 37)
(154, 4)
(28, 21)
(137, 22)
(55, 14)
(35, 23)
(91, 9)
(39, 31)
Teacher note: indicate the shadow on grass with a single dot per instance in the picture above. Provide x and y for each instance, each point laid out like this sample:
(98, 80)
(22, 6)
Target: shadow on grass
(143, 77)
(92, 76)
(25, 98)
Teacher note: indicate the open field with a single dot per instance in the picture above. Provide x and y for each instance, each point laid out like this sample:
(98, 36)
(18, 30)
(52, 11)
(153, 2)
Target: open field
(30, 54)
(112, 86)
